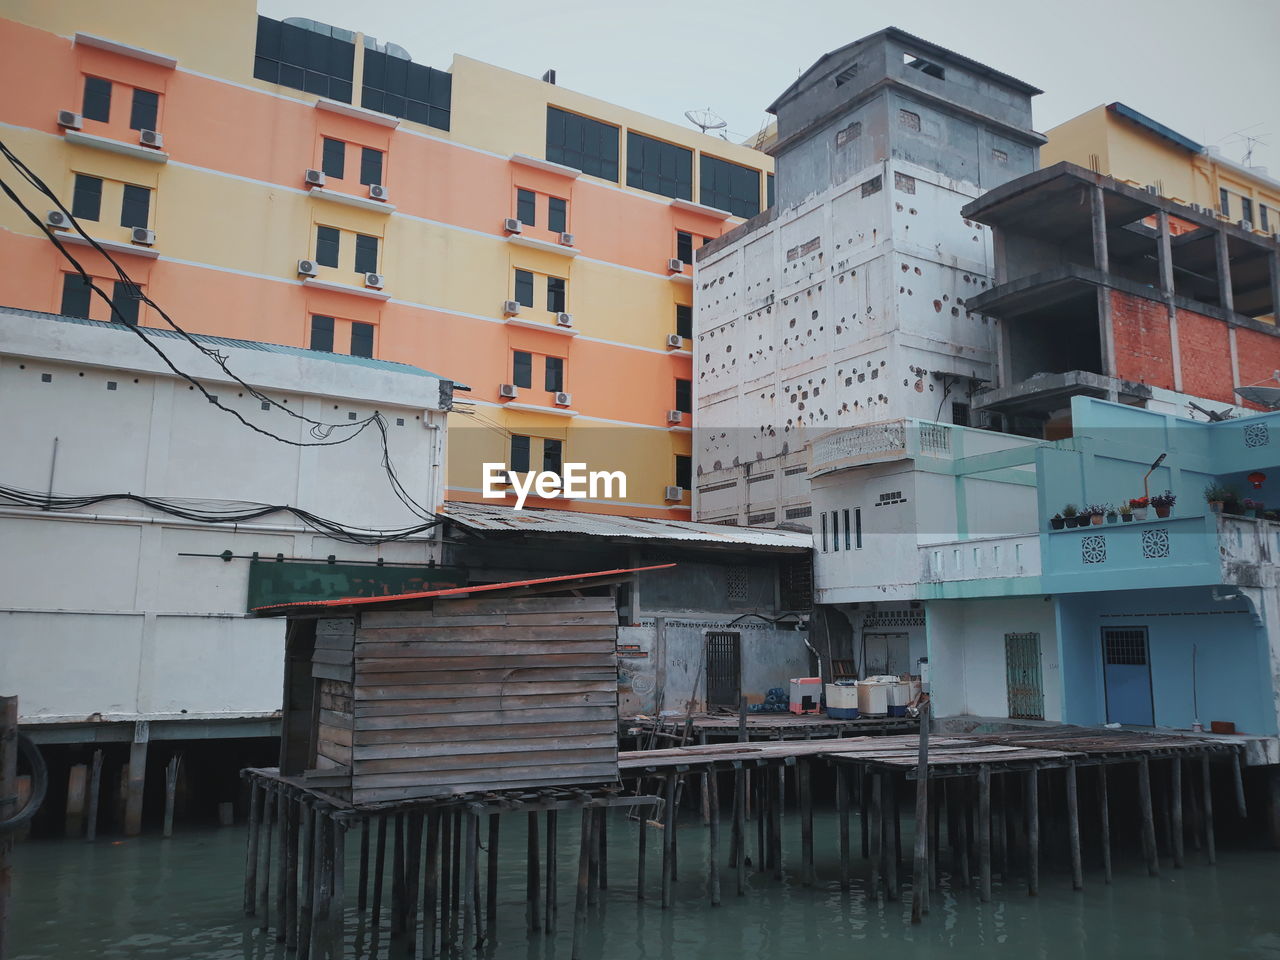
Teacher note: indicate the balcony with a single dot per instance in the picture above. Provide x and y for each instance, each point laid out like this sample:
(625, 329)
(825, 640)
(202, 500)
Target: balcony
(878, 443)
(980, 558)
(1249, 549)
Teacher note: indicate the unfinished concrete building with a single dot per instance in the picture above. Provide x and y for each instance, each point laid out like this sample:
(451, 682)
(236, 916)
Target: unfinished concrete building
(847, 302)
(1112, 291)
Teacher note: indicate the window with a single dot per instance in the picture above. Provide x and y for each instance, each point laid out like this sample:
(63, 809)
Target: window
(124, 300)
(924, 66)
(846, 530)
(1224, 202)
(361, 339)
(519, 453)
(557, 215)
(366, 254)
(555, 294)
(909, 119)
(135, 210)
(872, 186)
(524, 288)
(526, 207)
(1246, 209)
(146, 107)
(1262, 218)
(86, 200)
(684, 471)
(768, 189)
(585, 144)
(97, 99)
(824, 532)
(406, 89)
(684, 321)
(333, 159)
(522, 369)
(370, 165)
(960, 414)
(327, 243)
(835, 531)
(321, 333)
(658, 167)
(684, 395)
(684, 246)
(728, 186)
(857, 528)
(75, 296)
(555, 374)
(552, 453)
(318, 59)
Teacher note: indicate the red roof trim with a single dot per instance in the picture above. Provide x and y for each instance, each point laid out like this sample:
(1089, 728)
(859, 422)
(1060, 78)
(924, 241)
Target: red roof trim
(354, 601)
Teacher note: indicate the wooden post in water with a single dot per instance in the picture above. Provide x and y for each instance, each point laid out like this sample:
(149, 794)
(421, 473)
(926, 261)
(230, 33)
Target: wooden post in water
(642, 850)
(804, 788)
(469, 878)
(282, 853)
(291, 874)
(962, 831)
(73, 822)
(779, 804)
(491, 869)
(431, 884)
(412, 875)
(920, 865)
(1104, 823)
(1148, 818)
(251, 852)
(1242, 811)
(171, 793)
(713, 841)
(379, 868)
(1209, 845)
(397, 877)
(603, 872)
(864, 789)
(362, 893)
(137, 778)
(322, 861)
(842, 816)
(446, 859)
(584, 872)
(877, 835)
(668, 843)
(1033, 831)
(553, 906)
(307, 872)
(1175, 812)
(593, 876)
(455, 873)
(888, 836)
(1073, 828)
(264, 871)
(984, 833)
(95, 789)
(338, 901)
(533, 877)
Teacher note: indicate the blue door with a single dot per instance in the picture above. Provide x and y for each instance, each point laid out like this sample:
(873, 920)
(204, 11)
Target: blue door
(1127, 676)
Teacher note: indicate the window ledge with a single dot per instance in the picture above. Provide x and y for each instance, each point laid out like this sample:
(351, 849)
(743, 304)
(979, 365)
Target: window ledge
(115, 146)
(352, 200)
(358, 113)
(125, 50)
(679, 353)
(682, 278)
(344, 288)
(520, 240)
(714, 212)
(572, 173)
(112, 246)
(544, 327)
(537, 408)
(680, 429)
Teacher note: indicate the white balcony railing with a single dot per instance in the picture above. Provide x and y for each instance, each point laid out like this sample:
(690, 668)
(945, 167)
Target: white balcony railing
(982, 558)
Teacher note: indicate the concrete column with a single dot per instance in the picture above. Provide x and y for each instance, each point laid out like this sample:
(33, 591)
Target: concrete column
(1097, 205)
(1102, 261)
(1275, 285)
(1167, 287)
(137, 778)
(1106, 341)
(77, 778)
(1224, 274)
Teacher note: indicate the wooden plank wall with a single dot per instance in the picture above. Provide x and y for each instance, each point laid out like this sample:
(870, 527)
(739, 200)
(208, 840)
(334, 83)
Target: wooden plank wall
(485, 694)
(331, 666)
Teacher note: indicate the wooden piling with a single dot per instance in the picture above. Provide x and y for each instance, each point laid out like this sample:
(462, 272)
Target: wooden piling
(1242, 811)
(338, 897)
(962, 833)
(779, 803)
(1032, 793)
(362, 893)
(412, 874)
(593, 877)
(455, 874)
(397, 876)
(876, 830)
(446, 861)
(934, 821)
(470, 865)
(642, 849)
(1207, 785)
(584, 872)
(264, 872)
(1148, 817)
(171, 792)
(984, 833)
(291, 874)
(431, 884)
(137, 778)
(668, 846)
(73, 821)
(804, 789)
(603, 872)
(306, 875)
(888, 848)
(256, 792)
(862, 778)
(321, 920)
(842, 817)
(533, 877)
(95, 789)
(282, 856)
(491, 871)
(713, 840)
(379, 868)
(920, 863)
(1073, 828)
(1175, 809)
(553, 906)
(1104, 823)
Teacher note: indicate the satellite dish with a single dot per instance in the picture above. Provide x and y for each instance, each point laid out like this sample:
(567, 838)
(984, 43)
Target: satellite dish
(1264, 396)
(705, 120)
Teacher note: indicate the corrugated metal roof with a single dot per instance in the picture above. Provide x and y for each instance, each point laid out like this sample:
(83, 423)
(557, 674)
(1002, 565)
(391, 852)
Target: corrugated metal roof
(1159, 129)
(581, 578)
(211, 341)
(495, 517)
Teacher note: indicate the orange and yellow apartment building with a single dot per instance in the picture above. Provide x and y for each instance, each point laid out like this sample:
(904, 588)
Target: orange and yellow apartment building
(296, 183)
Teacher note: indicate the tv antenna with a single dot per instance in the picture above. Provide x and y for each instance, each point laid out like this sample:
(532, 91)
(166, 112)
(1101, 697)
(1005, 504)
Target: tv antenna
(705, 120)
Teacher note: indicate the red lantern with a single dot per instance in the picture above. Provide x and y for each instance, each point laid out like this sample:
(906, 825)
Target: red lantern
(1257, 479)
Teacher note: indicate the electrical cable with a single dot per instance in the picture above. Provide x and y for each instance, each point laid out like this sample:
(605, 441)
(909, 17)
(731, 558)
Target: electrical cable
(319, 430)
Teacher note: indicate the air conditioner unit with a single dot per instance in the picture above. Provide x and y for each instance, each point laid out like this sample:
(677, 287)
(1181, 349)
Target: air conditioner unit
(675, 341)
(673, 493)
(564, 319)
(675, 265)
(149, 138)
(1196, 207)
(566, 239)
(377, 191)
(1246, 225)
(307, 268)
(314, 178)
(510, 308)
(143, 236)
(373, 280)
(507, 390)
(70, 120)
(512, 225)
(56, 218)
(675, 416)
(564, 399)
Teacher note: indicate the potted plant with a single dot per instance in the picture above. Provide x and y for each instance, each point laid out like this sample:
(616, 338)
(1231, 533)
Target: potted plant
(1057, 521)
(1112, 515)
(1231, 502)
(1163, 502)
(1254, 508)
(1069, 514)
(1139, 505)
(1216, 494)
(1096, 512)
(1126, 513)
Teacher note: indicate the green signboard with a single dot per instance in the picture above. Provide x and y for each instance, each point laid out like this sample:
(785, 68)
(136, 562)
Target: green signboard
(292, 581)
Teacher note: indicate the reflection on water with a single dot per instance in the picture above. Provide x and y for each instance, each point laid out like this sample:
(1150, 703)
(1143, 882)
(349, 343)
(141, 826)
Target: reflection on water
(181, 898)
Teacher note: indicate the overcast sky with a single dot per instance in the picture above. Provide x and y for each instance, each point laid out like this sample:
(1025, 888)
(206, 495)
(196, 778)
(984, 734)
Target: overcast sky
(1209, 69)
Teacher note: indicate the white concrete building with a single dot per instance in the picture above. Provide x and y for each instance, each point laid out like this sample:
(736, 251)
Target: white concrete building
(121, 621)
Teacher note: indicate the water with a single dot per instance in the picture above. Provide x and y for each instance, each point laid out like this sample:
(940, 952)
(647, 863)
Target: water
(181, 898)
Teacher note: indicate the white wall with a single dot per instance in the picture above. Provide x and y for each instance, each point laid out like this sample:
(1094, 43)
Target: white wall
(100, 611)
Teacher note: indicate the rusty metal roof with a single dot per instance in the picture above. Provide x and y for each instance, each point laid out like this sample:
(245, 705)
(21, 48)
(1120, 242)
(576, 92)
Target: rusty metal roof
(567, 580)
(499, 518)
